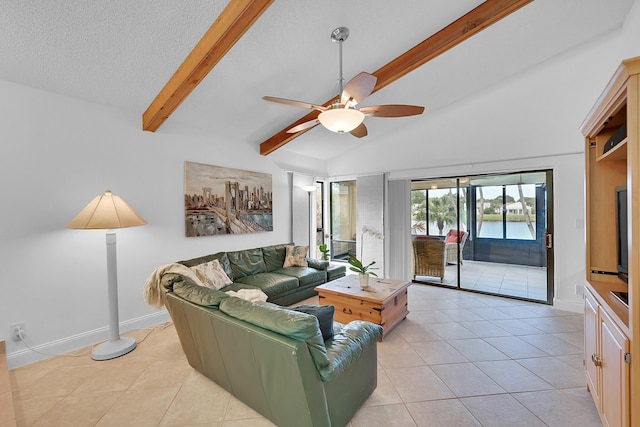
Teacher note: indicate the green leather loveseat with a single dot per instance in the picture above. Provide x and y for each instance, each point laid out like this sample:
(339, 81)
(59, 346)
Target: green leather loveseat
(274, 359)
(262, 268)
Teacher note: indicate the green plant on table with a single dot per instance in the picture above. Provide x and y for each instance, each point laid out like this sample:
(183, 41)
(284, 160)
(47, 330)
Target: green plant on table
(358, 267)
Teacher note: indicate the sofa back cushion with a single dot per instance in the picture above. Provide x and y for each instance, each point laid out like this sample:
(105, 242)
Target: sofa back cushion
(246, 263)
(220, 256)
(297, 325)
(206, 297)
(274, 257)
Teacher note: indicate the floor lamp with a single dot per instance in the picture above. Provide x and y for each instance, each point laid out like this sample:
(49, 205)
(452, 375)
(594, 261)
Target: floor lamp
(108, 212)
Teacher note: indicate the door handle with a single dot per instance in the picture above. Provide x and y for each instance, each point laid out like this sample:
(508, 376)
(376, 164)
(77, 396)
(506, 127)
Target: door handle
(596, 359)
(549, 239)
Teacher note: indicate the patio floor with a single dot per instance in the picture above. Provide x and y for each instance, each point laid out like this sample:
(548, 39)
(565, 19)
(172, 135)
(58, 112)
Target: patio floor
(500, 279)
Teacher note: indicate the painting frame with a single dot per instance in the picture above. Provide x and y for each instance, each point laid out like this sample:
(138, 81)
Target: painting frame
(220, 200)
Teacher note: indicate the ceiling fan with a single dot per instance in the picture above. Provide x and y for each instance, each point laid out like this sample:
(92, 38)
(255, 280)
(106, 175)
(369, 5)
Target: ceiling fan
(342, 115)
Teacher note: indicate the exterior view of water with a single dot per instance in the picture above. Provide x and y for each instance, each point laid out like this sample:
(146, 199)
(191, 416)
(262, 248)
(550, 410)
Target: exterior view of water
(492, 230)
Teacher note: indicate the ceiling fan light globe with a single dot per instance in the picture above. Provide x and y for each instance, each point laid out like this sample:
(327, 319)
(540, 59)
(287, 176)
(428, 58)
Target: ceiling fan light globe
(341, 119)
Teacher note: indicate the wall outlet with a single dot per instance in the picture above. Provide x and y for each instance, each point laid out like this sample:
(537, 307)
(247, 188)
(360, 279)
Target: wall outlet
(579, 289)
(16, 330)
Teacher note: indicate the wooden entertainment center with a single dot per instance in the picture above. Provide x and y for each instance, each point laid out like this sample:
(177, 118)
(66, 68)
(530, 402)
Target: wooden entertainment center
(612, 341)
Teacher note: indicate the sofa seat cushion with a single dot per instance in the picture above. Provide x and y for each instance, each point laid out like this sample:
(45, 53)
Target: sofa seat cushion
(300, 326)
(272, 284)
(305, 275)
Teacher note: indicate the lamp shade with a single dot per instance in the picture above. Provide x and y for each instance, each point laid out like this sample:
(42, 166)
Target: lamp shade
(106, 212)
(341, 119)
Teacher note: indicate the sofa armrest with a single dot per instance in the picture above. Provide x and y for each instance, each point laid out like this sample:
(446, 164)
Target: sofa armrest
(318, 264)
(347, 346)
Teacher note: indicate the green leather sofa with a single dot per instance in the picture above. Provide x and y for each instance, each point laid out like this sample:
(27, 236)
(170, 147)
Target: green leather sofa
(261, 268)
(274, 359)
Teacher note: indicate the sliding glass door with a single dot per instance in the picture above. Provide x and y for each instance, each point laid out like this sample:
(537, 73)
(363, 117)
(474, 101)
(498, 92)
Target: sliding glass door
(491, 233)
(342, 199)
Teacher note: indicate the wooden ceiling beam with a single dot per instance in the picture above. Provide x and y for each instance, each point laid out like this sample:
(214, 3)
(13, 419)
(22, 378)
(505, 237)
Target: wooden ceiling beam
(453, 34)
(233, 22)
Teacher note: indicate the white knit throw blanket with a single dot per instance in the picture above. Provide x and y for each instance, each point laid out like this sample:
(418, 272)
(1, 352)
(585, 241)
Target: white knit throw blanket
(153, 292)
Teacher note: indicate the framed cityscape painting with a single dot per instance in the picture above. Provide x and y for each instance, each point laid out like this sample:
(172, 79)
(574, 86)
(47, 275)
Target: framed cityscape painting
(219, 200)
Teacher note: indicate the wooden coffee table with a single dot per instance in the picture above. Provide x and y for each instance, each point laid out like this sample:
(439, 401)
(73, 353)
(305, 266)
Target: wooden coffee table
(383, 303)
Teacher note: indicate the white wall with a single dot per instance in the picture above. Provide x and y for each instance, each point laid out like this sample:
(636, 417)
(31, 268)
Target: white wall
(631, 32)
(57, 154)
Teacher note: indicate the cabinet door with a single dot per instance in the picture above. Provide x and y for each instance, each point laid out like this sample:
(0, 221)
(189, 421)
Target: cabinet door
(615, 373)
(591, 346)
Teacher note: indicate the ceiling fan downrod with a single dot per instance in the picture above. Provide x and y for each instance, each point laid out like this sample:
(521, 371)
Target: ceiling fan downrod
(339, 35)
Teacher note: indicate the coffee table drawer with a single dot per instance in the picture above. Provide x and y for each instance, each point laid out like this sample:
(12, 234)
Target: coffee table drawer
(348, 309)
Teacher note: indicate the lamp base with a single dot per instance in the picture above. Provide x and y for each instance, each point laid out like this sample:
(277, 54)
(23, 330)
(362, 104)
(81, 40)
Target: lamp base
(112, 349)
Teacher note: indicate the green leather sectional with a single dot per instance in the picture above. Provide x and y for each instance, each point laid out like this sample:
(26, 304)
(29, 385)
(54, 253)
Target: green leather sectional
(274, 359)
(261, 268)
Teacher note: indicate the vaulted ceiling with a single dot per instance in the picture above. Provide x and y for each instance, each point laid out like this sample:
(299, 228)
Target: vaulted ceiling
(121, 53)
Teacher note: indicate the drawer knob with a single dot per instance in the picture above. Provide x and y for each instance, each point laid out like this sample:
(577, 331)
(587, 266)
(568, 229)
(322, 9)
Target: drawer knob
(347, 311)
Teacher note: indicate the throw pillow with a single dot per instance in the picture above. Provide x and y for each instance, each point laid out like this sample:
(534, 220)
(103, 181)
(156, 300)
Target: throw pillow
(324, 313)
(453, 236)
(296, 256)
(211, 274)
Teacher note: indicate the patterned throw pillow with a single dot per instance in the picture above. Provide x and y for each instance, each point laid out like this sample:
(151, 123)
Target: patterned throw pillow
(296, 256)
(211, 274)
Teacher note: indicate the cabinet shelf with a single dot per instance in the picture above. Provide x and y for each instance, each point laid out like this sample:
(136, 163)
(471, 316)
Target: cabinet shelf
(619, 152)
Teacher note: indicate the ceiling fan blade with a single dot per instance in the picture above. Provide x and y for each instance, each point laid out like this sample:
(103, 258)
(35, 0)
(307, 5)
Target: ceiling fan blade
(392, 110)
(303, 126)
(294, 103)
(360, 131)
(358, 88)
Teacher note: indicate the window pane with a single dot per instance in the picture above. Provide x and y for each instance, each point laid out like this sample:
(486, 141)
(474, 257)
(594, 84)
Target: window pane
(319, 208)
(343, 219)
(489, 207)
(419, 212)
(521, 211)
(442, 211)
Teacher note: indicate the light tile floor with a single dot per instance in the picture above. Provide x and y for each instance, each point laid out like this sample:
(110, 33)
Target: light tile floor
(459, 359)
(501, 279)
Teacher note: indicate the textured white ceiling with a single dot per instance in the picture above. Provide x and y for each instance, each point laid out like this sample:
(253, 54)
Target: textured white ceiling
(121, 53)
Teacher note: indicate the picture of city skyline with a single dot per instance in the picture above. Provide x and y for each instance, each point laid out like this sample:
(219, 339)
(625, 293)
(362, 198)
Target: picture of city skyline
(221, 200)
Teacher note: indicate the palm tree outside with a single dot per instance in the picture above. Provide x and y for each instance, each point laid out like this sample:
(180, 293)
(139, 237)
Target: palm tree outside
(442, 212)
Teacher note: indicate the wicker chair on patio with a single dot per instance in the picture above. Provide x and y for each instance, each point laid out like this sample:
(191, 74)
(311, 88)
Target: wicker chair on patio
(451, 246)
(429, 258)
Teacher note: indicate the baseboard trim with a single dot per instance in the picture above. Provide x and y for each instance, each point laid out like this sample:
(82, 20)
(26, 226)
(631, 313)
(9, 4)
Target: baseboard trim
(573, 306)
(85, 339)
